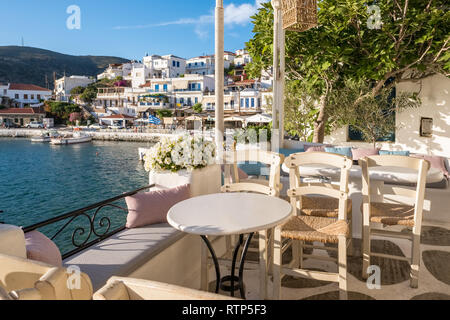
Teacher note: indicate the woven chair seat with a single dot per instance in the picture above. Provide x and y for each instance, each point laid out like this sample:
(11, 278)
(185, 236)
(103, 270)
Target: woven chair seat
(311, 229)
(391, 214)
(326, 207)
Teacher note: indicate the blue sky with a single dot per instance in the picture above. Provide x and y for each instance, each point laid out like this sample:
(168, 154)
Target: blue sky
(128, 29)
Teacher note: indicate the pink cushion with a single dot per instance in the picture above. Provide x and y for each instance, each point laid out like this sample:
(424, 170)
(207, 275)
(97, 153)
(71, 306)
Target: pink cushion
(362, 153)
(42, 249)
(435, 161)
(316, 148)
(152, 207)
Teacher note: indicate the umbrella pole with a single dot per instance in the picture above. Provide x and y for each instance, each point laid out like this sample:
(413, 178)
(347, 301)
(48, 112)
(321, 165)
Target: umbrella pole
(220, 77)
(278, 76)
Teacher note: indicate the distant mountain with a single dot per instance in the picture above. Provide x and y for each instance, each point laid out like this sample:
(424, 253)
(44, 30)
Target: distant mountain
(30, 65)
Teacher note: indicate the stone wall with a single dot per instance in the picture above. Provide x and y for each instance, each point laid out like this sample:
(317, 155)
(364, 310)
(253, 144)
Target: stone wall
(101, 136)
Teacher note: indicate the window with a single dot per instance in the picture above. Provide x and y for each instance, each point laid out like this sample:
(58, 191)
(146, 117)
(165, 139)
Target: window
(178, 64)
(39, 97)
(16, 120)
(32, 97)
(426, 127)
(165, 88)
(173, 63)
(242, 102)
(25, 97)
(157, 87)
(253, 102)
(196, 100)
(247, 103)
(16, 96)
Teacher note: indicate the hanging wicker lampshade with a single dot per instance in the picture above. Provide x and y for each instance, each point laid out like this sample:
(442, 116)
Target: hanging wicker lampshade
(299, 15)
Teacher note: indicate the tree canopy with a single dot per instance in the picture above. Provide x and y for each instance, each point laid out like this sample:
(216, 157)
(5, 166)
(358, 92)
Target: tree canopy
(409, 41)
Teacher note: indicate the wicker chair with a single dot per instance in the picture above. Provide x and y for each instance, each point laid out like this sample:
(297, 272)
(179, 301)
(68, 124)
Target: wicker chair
(306, 228)
(378, 216)
(271, 187)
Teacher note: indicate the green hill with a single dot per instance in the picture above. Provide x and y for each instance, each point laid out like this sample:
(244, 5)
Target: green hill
(31, 65)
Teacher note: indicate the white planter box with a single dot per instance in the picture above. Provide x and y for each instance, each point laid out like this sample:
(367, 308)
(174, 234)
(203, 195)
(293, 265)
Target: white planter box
(202, 181)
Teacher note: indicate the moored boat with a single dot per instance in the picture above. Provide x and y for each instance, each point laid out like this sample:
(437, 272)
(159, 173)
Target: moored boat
(74, 139)
(46, 136)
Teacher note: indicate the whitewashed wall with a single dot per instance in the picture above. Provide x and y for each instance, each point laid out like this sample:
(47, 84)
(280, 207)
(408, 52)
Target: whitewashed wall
(435, 94)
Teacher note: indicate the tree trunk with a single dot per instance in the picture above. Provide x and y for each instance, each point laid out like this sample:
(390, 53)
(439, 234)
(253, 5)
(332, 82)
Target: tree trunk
(320, 123)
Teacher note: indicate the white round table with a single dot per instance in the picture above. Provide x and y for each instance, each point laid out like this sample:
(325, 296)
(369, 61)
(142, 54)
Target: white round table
(227, 214)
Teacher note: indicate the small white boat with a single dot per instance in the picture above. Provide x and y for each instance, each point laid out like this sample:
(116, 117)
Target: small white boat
(76, 138)
(46, 136)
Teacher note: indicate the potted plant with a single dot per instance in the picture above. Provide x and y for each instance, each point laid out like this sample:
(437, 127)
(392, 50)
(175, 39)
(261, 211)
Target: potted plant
(184, 159)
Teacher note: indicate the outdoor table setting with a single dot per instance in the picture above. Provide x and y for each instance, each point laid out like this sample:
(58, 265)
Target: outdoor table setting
(227, 214)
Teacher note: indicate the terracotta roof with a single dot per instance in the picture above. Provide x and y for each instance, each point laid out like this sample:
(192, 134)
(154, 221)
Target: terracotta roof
(146, 85)
(26, 87)
(118, 116)
(245, 82)
(22, 111)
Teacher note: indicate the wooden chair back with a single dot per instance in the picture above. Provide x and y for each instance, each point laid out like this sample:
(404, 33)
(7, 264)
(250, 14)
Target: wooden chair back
(421, 166)
(298, 189)
(234, 184)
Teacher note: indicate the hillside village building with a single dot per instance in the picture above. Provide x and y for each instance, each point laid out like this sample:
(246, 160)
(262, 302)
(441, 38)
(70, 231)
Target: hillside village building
(20, 116)
(21, 95)
(65, 85)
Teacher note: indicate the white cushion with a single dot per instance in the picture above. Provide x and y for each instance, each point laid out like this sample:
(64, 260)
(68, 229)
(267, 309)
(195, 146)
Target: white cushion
(124, 252)
(12, 241)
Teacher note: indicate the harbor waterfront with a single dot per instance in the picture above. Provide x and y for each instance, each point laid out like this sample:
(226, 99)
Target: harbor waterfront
(40, 181)
(105, 135)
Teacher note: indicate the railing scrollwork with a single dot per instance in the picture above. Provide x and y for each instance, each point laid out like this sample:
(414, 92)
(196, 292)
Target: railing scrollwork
(94, 230)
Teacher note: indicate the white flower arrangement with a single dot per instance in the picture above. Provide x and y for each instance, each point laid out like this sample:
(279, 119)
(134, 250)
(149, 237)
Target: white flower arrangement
(180, 153)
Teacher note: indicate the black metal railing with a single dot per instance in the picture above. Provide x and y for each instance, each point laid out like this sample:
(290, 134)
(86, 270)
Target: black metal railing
(94, 230)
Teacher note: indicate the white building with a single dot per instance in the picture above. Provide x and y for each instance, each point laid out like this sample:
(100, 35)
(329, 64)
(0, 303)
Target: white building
(25, 94)
(64, 86)
(138, 75)
(3, 91)
(117, 70)
(168, 66)
(205, 65)
(435, 111)
(183, 91)
(242, 58)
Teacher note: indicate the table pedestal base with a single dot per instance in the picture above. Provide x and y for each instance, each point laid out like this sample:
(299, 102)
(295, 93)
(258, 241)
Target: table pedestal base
(236, 283)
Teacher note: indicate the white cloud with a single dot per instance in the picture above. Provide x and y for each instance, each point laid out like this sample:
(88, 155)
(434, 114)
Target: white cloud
(240, 14)
(234, 15)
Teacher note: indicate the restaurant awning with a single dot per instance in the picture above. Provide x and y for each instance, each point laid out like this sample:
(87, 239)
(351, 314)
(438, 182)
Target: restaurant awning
(194, 118)
(234, 119)
(259, 118)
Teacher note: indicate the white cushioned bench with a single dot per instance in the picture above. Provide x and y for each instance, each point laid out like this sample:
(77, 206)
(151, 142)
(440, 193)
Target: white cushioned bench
(124, 252)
